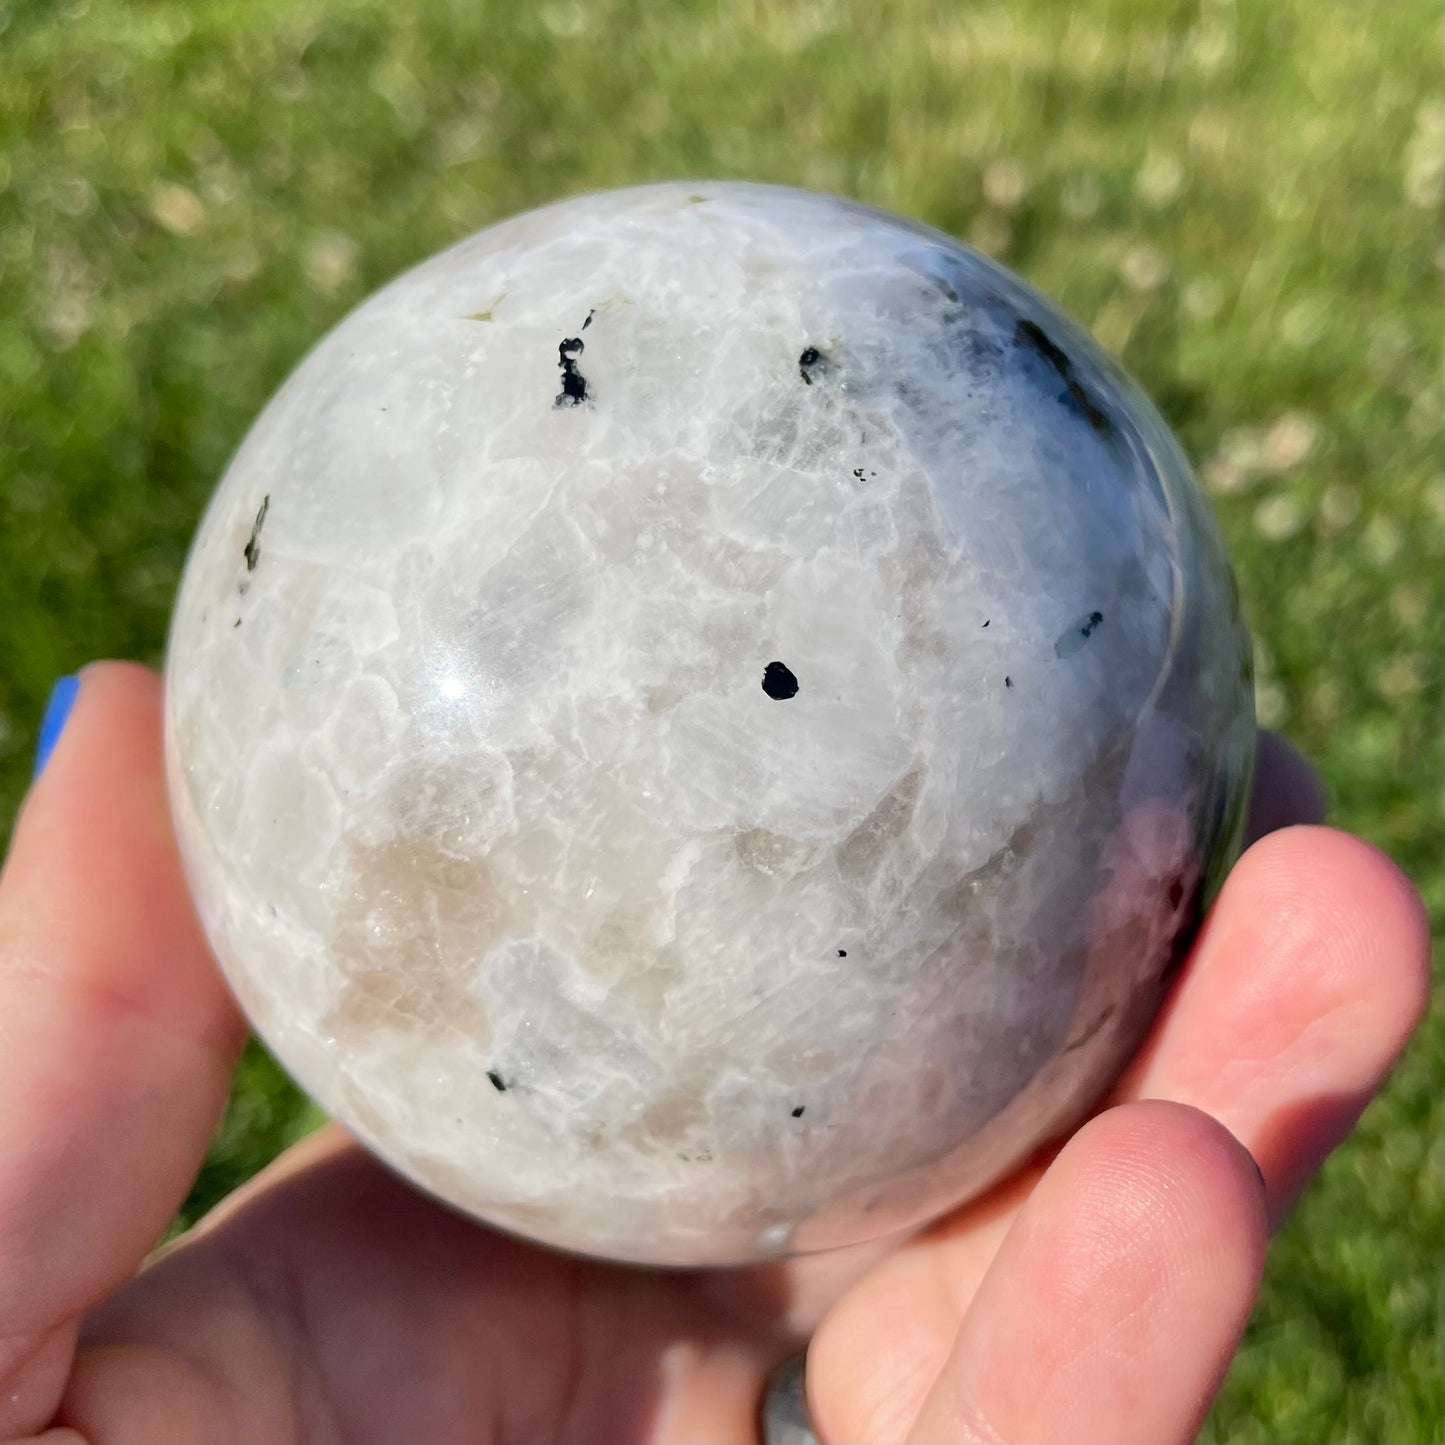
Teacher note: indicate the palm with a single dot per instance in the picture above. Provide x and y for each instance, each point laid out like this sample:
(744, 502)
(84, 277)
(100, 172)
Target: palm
(1098, 1298)
(336, 1303)
(332, 1302)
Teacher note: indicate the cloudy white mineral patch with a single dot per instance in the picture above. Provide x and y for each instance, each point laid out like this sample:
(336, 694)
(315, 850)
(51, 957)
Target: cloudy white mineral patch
(699, 719)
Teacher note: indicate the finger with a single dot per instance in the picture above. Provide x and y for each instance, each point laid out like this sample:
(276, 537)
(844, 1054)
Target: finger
(116, 1034)
(875, 1355)
(1308, 978)
(1305, 984)
(1117, 1298)
(1287, 789)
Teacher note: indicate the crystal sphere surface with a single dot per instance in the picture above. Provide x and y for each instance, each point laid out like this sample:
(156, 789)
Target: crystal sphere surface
(700, 720)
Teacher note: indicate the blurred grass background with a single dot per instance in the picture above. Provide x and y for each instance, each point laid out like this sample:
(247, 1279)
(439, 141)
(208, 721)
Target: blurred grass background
(1242, 199)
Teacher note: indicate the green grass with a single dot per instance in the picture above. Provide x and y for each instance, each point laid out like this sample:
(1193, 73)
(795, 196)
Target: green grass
(1242, 200)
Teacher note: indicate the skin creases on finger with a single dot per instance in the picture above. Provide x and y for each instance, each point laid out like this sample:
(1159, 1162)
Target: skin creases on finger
(1307, 981)
(1115, 1302)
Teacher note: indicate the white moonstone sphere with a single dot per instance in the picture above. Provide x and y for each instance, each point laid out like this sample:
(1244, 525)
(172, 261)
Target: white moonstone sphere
(700, 719)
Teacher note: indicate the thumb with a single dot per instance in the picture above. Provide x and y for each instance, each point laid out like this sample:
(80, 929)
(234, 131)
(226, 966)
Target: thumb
(117, 1036)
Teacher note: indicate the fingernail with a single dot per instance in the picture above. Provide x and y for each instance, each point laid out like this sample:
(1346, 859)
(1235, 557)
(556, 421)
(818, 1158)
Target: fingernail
(62, 699)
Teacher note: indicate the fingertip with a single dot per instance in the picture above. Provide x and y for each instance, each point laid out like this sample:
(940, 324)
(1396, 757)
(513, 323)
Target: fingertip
(1360, 907)
(116, 706)
(1307, 981)
(117, 684)
(1175, 1174)
(1181, 1165)
(1116, 1301)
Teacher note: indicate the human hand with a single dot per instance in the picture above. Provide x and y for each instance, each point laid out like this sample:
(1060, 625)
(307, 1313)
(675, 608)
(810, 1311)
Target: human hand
(1096, 1295)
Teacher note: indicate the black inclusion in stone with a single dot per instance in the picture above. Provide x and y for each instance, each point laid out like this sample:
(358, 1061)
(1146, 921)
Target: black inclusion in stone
(1077, 635)
(252, 549)
(1189, 919)
(812, 365)
(798, 1112)
(779, 682)
(498, 1082)
(574, 384)
(1031, 335)
(842, 953)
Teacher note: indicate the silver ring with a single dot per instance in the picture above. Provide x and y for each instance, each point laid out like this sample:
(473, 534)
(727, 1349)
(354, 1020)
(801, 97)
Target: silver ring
(785, 1419)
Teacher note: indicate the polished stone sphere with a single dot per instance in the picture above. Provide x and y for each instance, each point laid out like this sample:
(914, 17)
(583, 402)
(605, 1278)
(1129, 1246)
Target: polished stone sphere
(701, 719)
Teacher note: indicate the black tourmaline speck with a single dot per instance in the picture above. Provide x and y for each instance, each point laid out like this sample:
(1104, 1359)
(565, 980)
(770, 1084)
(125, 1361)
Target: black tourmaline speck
(574, 384)
(252, 549)
(779, 682)
(812, 365)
